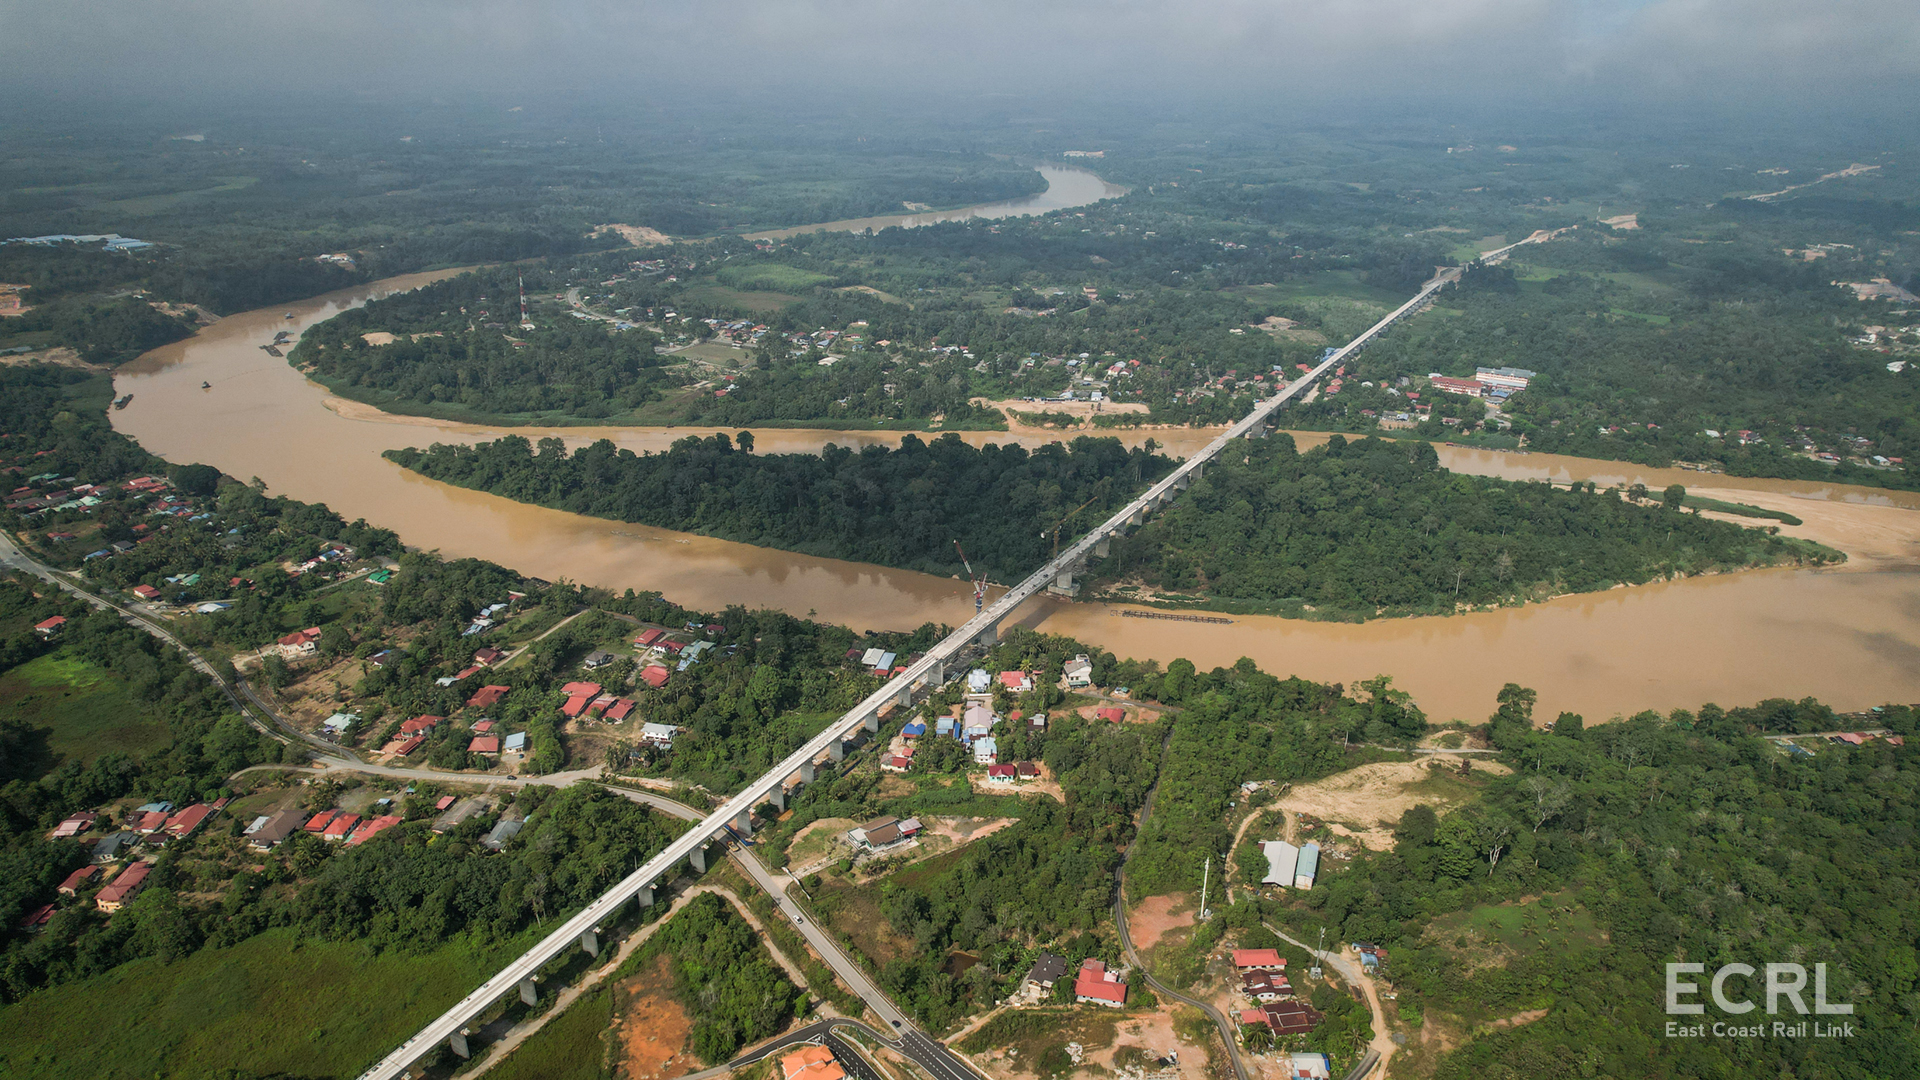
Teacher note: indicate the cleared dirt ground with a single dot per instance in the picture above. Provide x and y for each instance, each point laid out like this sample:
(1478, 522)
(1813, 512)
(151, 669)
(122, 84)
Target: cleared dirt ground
(1364, 803)
(1152, 918)
(653, 1029)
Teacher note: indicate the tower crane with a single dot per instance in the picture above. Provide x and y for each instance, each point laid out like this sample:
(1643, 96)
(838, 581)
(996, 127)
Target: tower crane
(979, 583)
(1058, 525)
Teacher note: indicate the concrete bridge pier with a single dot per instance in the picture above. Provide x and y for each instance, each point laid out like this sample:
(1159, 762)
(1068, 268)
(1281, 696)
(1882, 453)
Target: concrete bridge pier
(698, 857)
(1183, 480)
(837, 750)
(806, 773)
(778, 797)
(872, 721)
(988, 637)
(644, 897)
(937, 674)
(744, 823)
(589, 941)
(457, 1042)
(1100, 545)
(528, 992)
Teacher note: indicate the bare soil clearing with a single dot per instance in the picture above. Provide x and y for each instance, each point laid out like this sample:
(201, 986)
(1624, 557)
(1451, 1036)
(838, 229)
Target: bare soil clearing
(653, 1031)
(637, 235)
(1152, 918)
(1364, 803)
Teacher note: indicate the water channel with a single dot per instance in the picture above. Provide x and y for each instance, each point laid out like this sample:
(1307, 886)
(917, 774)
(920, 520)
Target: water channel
(1850, 637)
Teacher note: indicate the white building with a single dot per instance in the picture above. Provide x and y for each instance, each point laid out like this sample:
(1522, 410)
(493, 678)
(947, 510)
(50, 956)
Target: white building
(1079, 672)
(1282, 859)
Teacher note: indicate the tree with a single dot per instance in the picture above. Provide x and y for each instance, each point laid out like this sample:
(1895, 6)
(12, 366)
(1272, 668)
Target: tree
(195, 479)
(744, 441)
(1674, 497)
(276, 670)
(1549, 796)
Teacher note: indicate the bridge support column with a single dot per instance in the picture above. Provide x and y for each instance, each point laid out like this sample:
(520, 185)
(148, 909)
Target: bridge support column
(806, 773)
(904, 699)
(778, 797)
(528, 992)
(644, 897)
(837, 750)
(1100, 546)
(698, 857)
(937, 674)
(872, 720)
(589, 941)
(988, 637)
(1136, 518)
(457, 1042)
(744, 823)
(1183, 480)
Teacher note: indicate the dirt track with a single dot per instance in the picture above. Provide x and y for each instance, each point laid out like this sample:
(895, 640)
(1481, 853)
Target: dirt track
(1364, 803)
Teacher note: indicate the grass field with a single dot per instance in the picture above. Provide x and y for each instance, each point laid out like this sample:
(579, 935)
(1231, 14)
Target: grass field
(573, 1045)
(1552, 922)
(1740, 509)
(770, 277)
(755, 300)
(89, 711)
(269, 1005)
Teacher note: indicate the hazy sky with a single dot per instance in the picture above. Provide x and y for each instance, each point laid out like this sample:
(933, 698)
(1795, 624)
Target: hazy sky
(1498, 51)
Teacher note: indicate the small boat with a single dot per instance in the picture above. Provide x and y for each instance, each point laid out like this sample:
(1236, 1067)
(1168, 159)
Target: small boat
(206, 386)
(121, 403)
(271, 351)
(289, 314)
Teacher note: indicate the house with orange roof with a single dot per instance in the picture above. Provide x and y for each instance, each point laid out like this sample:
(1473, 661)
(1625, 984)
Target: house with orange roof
(811, 1063)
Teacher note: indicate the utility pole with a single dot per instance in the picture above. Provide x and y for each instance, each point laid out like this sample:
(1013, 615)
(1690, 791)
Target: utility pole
(1205, 875)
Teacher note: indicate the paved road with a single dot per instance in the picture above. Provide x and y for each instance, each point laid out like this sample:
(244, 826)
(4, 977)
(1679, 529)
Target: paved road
(929, 1053)
(12, 558)
(1227, 1032)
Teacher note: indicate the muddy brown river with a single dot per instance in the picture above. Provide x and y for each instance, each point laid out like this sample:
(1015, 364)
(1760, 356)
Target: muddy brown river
(1850, 637)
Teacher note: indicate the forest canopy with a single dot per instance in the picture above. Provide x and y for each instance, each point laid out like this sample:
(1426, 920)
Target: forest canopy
(1378, 527)
(896, 507)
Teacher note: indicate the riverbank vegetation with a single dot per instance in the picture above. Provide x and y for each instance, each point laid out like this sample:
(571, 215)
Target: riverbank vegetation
(1355, 530)
(1529, 901)
(896, 507)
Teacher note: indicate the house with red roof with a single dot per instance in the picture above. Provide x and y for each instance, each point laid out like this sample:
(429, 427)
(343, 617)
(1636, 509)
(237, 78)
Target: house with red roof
(123, 888)
(299, 643)
(1258, 960)
(896, 763)
(371, 829)
(49, 627)
(579, 696)
(487, 697)
(37, 918)
(1017, 681)
(483, 727)
(488, 656)
(1028, 770)
(1095, 985)
(149, 823)
(655, 676)
(1003, 774)
(146, 592)
(404, 746)
(1113, 713)
(319, 822)
(77, 880)
(340, 827)
(186, 821)
(484, 744)
(420, 725)
(619, 710)
(648, 637)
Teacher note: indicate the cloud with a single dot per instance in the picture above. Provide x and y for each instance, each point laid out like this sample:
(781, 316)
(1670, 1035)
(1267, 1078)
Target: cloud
(1373, 49)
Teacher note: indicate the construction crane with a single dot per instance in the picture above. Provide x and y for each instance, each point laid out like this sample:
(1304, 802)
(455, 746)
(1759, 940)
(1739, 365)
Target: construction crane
(1058, 525)
(979, 583)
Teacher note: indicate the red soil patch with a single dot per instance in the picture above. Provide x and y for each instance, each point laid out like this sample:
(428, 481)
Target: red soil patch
(1151, 918)
(653, 1030)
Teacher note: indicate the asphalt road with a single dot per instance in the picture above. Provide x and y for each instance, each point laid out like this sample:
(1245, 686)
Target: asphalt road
(1227, 1032)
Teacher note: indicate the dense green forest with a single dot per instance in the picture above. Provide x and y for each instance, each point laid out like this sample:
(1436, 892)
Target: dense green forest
(1376, 527)
(723, 976)
(896, 507)
(455, 358)
(1622, 847)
